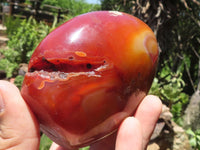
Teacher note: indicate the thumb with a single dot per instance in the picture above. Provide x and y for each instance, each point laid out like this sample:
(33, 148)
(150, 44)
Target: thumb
(18, 127)
(129, 135)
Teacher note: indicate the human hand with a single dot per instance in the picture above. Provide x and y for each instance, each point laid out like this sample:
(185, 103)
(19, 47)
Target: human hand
(19, 129)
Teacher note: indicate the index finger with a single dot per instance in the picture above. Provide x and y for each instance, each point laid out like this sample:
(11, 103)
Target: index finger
(148, 113)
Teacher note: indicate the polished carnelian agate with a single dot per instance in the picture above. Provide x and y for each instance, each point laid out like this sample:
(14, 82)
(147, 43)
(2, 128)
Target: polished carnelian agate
(89, 74)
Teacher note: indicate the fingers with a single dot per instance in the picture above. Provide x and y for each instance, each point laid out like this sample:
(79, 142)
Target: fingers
(135, 132)
(147, 114)
(129, 135)
(18, 127)
(55, 146)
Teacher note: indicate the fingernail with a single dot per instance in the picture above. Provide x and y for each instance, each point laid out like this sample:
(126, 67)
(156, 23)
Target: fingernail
(2, 105)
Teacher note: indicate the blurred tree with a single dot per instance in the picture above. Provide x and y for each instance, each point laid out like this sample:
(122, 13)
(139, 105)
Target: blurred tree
(118, 5)
(75, 7)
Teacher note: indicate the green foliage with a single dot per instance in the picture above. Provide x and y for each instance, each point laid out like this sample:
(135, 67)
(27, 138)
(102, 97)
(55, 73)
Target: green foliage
(10, 54)
(45, 143)
(18, 81)
(25, 39)
(85, 148)
(117, 5)
(12, 24)
(9, 67)
(180, 40)
(25, 35)
(194, 138)
(75, 7)
(169, 87)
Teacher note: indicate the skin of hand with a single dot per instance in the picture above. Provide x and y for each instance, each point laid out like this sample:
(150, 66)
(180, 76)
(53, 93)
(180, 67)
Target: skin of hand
(19, 129)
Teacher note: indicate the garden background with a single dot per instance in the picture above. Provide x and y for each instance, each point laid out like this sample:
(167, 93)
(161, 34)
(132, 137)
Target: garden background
(176, 24)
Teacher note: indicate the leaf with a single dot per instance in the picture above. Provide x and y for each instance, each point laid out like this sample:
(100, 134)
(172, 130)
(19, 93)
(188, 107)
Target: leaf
(198, 138)
(85, 148)
(193, 142)
(8, 66)
(190, 132)
(45, 142)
